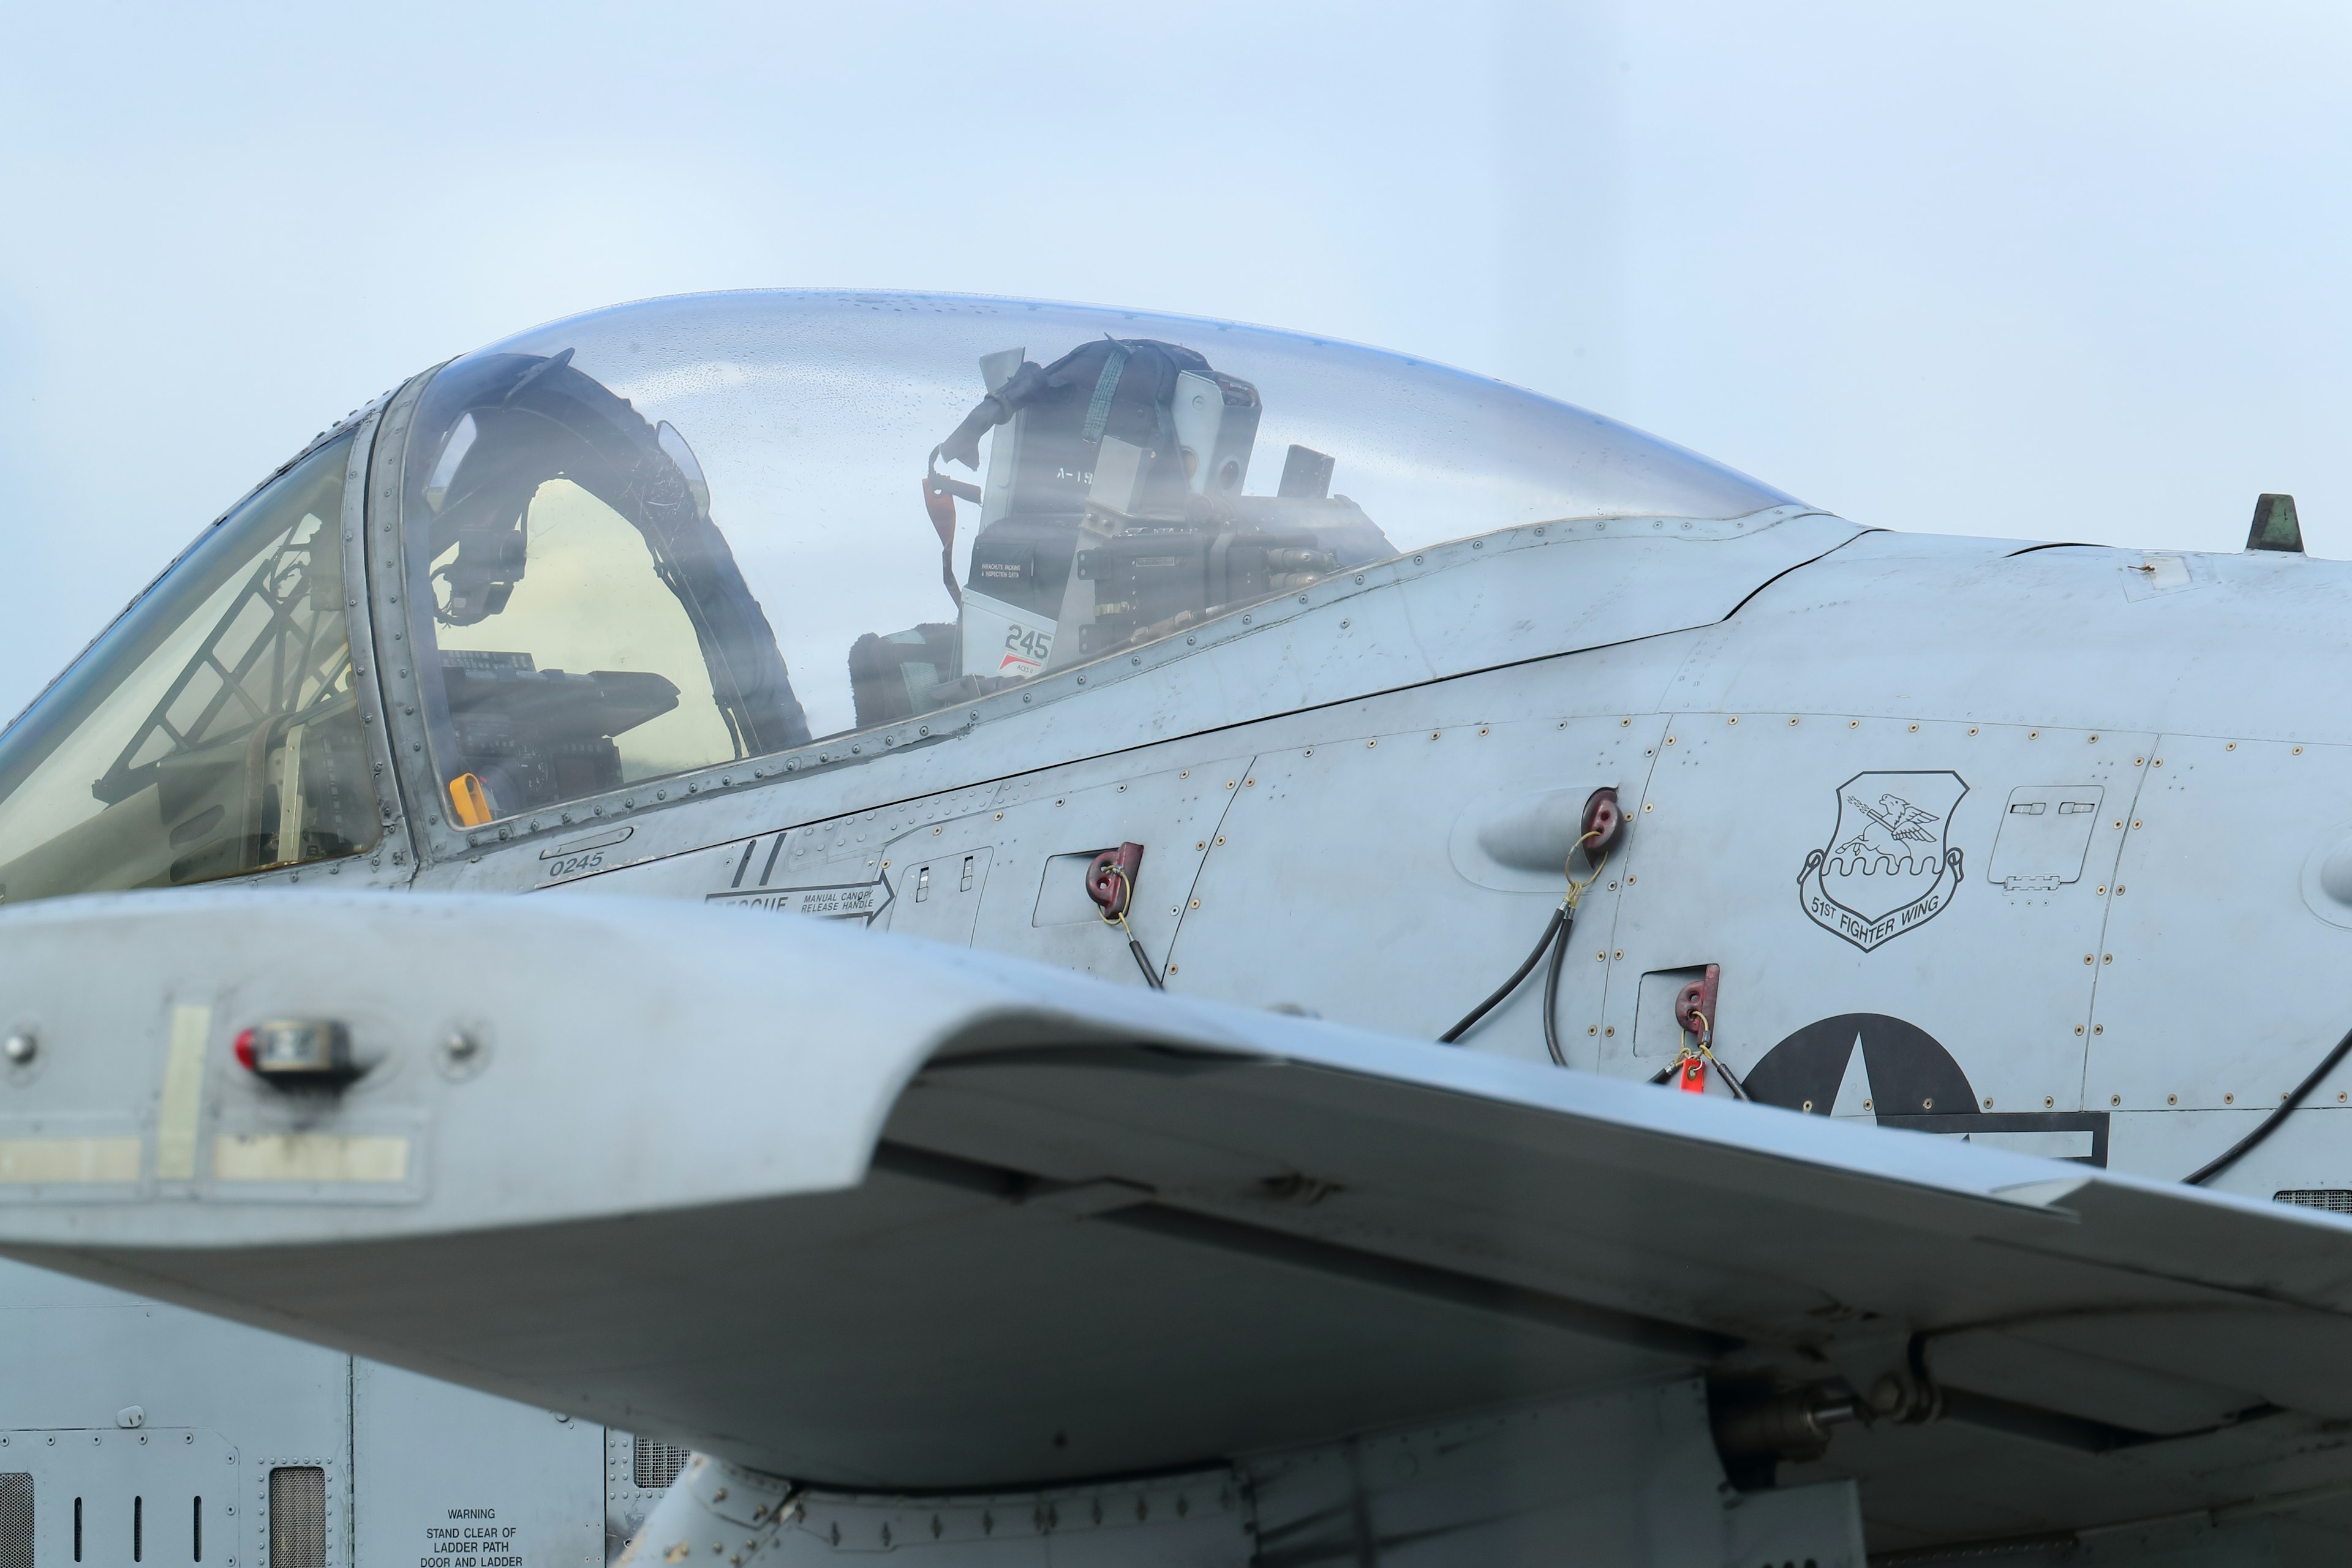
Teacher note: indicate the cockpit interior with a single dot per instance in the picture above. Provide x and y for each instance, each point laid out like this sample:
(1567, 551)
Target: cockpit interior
(680, 534)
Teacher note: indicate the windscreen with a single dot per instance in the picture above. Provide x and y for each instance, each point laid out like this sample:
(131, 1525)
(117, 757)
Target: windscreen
(214, 730)
(676, 533)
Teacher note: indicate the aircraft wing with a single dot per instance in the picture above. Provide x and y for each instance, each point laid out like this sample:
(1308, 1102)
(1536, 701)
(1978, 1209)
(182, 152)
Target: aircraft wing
(867, 1211)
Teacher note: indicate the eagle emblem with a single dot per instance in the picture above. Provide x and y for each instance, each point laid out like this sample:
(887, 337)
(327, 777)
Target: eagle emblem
(1889, 866)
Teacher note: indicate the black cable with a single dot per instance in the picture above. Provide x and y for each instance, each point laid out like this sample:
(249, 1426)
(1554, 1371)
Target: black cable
(1117, 916)
(1559, 920)
(1551, 988)
(1730, 1079)
(2245, 1145)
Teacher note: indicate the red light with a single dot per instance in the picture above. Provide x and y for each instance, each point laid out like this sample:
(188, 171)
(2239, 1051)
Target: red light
(296, 1053)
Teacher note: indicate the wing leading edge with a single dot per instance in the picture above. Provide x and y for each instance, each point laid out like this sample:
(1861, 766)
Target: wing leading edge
(866, 1211)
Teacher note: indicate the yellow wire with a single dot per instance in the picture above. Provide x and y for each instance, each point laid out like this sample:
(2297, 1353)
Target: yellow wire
(1119, 919)
(1701, 1043)
(1567, 869)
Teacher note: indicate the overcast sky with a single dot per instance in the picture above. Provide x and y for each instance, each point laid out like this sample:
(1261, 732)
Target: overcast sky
(2051, 272)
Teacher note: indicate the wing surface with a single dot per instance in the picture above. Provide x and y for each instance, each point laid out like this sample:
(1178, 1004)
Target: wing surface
(872, 1212)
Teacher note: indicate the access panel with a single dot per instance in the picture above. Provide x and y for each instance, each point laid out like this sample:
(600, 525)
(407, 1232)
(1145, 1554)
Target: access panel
(1855, 879)
(1394, 880)
(454, 1478)
(1037, 904)
(2222, 978)
(148, 1433)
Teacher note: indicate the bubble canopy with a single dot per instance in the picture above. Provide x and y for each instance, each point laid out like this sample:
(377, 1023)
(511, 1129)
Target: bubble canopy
(674, 533)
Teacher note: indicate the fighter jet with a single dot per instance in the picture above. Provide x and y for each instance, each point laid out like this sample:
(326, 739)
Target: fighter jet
(1345, 1004)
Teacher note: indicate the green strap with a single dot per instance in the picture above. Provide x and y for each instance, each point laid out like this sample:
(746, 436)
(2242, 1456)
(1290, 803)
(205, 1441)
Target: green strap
(1106, 385)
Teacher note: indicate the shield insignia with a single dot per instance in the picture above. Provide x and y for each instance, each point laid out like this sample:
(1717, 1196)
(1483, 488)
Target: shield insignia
(1889, 867)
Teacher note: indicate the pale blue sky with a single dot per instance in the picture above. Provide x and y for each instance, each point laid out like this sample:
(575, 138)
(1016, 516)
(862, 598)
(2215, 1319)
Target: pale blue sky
(2057, 271)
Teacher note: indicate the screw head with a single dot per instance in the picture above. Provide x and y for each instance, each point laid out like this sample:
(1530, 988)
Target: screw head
(20, 1048)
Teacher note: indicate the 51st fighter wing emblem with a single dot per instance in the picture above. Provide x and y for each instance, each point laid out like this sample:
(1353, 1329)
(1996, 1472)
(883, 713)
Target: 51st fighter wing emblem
(1889, 866)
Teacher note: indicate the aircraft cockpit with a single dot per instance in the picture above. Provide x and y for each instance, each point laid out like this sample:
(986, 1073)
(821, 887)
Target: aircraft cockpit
(678, 534)
(685, 533)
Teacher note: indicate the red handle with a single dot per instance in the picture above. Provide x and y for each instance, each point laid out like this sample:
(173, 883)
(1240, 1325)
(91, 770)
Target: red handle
(1603, 820)
(1695, 1007)
(1110, 878)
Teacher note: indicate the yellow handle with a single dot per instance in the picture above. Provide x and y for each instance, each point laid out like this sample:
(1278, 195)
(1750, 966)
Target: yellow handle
(470, 803)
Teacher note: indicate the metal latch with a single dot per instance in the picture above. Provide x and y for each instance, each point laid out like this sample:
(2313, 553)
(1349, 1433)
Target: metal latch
(1110, 883)
(1694, 1013)
(1111, 879)
(1604, 820)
